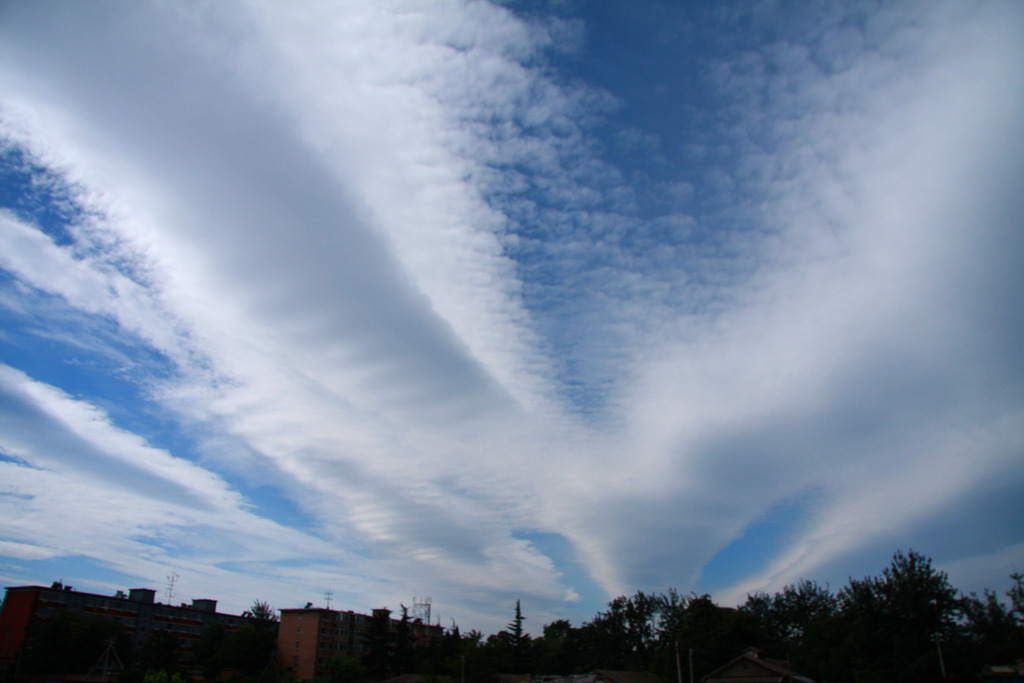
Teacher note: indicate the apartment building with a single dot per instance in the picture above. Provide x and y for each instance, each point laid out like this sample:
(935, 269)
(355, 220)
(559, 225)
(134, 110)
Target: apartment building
(138, 612)
(309, 637)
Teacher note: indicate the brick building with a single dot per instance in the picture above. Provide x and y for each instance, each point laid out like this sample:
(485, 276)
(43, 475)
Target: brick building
(308, 638)
(138, 613)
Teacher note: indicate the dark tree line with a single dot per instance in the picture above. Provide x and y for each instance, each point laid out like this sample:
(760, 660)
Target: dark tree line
(884, 628)
(75, 644)
(881, 628)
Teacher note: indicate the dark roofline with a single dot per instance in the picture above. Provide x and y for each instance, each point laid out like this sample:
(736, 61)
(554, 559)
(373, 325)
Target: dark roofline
(70, 589)
(777, 666)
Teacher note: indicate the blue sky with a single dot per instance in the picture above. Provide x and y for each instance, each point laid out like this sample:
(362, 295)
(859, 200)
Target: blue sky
(547, 301)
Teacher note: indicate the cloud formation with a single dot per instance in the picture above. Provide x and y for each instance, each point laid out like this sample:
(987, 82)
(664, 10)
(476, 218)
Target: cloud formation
(383, 296)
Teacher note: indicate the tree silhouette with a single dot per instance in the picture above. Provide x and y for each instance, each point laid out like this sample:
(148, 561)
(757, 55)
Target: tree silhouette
(879, 628)
(262, 612)
(404, 654)
(520, 642)
(379, 643)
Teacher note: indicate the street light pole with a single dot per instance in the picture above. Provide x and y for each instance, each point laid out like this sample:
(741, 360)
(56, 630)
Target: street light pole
(938, 646)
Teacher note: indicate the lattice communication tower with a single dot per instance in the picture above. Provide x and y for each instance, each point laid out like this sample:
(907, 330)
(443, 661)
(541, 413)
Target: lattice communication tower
(421, 609)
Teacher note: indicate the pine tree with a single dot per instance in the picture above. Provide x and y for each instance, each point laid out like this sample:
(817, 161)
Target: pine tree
(520, 642)
(403, 644)
(379, 644)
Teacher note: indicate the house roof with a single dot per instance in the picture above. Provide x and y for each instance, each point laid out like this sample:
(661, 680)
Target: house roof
(752, 667)
(624, 676)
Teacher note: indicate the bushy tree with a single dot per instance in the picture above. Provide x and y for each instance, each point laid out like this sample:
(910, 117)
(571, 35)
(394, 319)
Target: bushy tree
(1016, 595)
(624, 635)
(880, 628)
(404, 654)
(261, 612)
(443, 656)
(159, 652)
(209, 651)
(559, 650)
(785, 616)
(715, 634)
(988, 634)
(895, 618)
(69, 643)
(248, 651)
(380, 645)
(342, 669)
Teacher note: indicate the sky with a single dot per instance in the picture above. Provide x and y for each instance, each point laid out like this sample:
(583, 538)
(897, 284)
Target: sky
(372, 302)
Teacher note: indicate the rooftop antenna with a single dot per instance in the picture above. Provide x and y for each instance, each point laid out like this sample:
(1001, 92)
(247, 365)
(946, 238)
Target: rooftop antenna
(171, 580)
(329, 594)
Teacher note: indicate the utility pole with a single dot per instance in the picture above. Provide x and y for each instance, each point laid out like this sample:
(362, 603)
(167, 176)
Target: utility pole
(942, 664)
(679, 666)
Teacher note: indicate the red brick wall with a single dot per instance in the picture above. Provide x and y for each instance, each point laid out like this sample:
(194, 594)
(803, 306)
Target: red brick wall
(297, 642)
(19, 606)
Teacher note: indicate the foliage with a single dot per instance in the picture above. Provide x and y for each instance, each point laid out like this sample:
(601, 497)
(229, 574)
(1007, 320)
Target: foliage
(876, 628)
(1016, 595)
(342, 669)
(785, 616)
(69, 643)
(158, 653)
(262, 612)
(247, 651)
(404, 655)
(380, 645)
(209, 651)
(896, 617)
(162, 677)
(622, 637)
(519, 642)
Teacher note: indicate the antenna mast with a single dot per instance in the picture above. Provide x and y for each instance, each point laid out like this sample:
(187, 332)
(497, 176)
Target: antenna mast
(171, 580)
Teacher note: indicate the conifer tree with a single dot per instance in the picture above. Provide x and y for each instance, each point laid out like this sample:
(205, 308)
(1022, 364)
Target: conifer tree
(520, 642)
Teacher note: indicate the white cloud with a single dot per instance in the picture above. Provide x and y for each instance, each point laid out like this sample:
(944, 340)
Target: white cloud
(854, 361)
(384, 256)
(77, 484)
